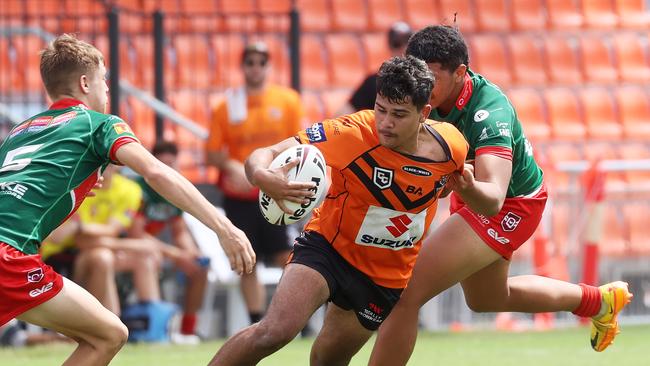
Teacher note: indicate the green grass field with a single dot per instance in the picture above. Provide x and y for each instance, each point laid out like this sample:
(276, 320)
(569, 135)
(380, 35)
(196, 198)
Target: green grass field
(569, 347)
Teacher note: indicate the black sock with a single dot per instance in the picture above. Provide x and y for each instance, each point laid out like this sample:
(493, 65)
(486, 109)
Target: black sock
(255, 317)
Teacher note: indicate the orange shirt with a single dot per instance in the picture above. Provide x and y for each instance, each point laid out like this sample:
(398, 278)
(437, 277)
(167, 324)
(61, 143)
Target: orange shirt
(272, 116)
(380, 203)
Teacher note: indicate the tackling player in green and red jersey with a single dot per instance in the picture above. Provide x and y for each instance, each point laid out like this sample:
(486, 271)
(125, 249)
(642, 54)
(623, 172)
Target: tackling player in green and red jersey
(48, 164)
(496, 206)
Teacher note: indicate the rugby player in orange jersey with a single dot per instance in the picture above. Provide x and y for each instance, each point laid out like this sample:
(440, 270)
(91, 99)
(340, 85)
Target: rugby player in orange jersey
(496, 206)
(357, 252)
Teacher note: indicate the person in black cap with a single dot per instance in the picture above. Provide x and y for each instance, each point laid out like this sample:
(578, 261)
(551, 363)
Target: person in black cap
(364, 96)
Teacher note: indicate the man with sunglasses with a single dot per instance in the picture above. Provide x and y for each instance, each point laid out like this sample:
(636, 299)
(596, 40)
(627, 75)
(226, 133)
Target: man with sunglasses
(255, 115)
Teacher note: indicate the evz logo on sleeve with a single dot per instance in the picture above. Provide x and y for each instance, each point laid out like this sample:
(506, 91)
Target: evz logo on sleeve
(390, 229)
(316, 133)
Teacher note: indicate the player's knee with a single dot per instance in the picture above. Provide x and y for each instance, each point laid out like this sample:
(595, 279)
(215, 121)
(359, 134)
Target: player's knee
(116, 336)
(272, 337)
(101, 259)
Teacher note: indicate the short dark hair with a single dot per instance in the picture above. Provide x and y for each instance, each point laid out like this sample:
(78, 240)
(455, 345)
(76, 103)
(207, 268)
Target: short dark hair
(402, 77)
(441, 44)
(164, 147)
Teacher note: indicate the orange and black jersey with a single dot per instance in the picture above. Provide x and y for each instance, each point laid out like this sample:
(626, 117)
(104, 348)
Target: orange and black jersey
(380, 203)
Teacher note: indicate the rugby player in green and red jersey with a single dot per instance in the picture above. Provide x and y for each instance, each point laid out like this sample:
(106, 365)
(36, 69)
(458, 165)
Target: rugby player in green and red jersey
(48, 164)
(496, 206)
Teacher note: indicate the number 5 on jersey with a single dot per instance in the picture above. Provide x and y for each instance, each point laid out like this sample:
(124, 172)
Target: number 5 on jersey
(13, 164)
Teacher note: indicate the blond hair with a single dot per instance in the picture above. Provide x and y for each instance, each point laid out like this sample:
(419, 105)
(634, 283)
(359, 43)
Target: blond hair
(64, 60)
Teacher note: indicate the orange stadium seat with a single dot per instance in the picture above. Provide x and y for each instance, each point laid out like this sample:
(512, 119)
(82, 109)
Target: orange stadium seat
(631, 58)
(600, 114)
(375, 46)
(313, 62)
(192, 105)
(615, 239)
(595, 151)
(141, 119)
(347, 68)
(561, 228)
(85, 16)
(638, 180)
(26, 77)
(530, 109)
(420, 13)
(279, 57)
(383, 13)
(349, 15)
(564, 114)
(636, 216)
(558, 153)
(192, 61)
(315, 15)
(143, 47)
(634, 110)
(489, 57)
(199, 16)
(528, 15)
(492, 15)
(275, 16)
(633, 14)
(599, 14)
(562, 60)
(6, 68)
(465, 14)
(564, 14)
(239, 15)
(46, 14)
(528, 63)
(597, 60)
(313, 108)
(228, 50)
(333, 100)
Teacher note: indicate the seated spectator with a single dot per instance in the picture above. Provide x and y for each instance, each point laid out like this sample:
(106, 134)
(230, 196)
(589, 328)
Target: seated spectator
(95, 239)
(154, 215)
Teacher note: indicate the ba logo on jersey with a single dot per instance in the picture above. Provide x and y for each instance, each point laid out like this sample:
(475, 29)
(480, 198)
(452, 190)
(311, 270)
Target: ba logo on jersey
(316, 133)
(510, 222)
(383, 178)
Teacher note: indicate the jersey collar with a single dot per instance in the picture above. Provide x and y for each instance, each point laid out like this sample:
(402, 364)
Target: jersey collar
(465, 93)
(67, 103)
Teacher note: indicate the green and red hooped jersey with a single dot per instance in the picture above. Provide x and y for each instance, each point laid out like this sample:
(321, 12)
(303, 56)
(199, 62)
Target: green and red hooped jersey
(490, 124)
(48, 164)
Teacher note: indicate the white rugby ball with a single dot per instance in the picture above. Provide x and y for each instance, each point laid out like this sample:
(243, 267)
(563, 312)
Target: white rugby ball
(311, 168)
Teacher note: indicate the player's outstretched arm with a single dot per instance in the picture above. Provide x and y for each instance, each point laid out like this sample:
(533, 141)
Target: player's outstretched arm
(179, 191)
(274, 182)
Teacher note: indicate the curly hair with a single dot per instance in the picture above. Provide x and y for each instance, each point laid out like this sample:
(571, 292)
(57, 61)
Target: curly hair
(65, 59)
(406, 77)
(441, 44)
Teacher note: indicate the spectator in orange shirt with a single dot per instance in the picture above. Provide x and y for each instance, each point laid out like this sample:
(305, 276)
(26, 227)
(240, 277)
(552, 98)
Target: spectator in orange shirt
(255, 115)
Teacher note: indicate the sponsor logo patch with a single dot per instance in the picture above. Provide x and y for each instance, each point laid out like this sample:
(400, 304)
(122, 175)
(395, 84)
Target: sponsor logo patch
(40, 291)
(35, 275)
(416, 171)
(121, 128)
(510, 221)
(383, 178)
(495, 235)
(316, 133)
(481, 115)
(390, 229)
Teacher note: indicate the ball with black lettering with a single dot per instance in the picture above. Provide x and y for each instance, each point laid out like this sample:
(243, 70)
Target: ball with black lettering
(311, 168)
